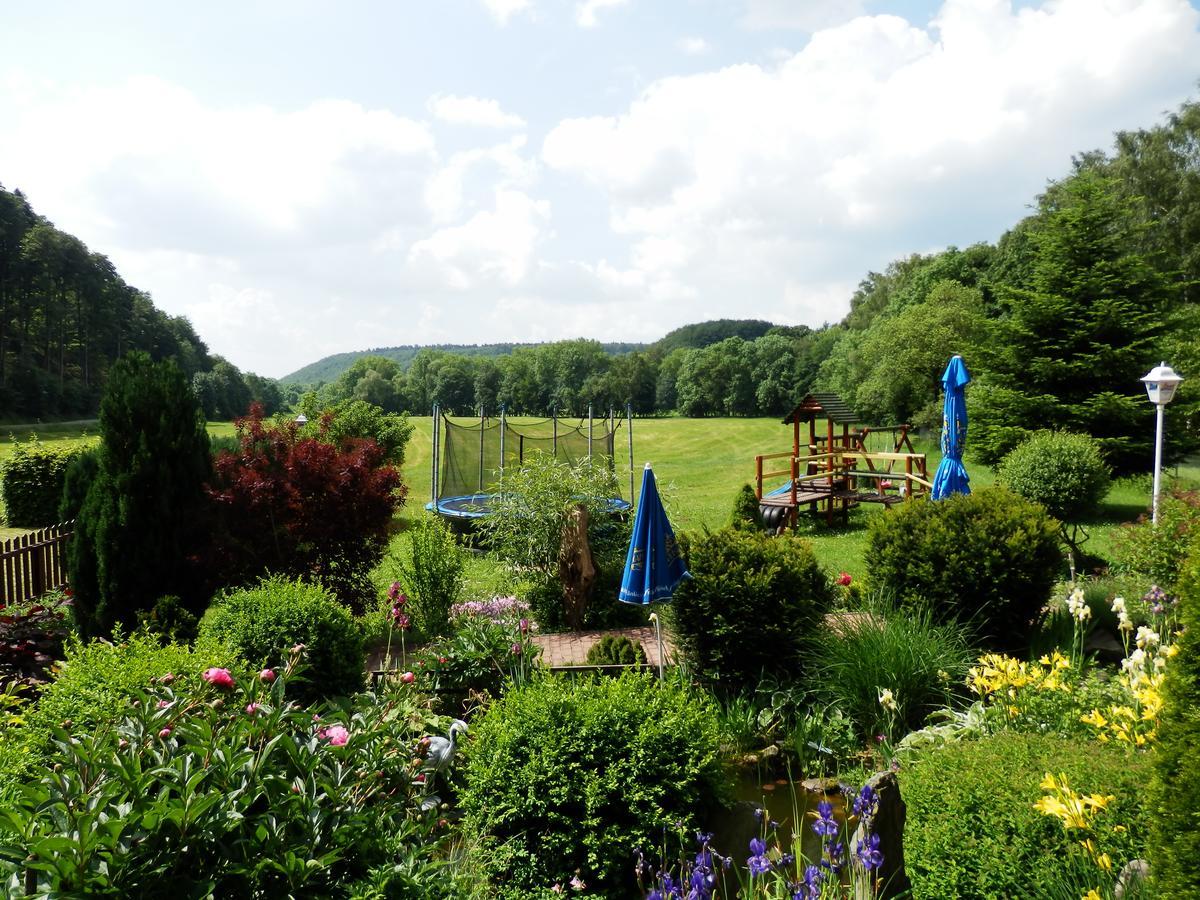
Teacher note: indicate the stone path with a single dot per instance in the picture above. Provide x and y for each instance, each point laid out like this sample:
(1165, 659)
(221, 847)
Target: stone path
(571, 648)
(566, 649)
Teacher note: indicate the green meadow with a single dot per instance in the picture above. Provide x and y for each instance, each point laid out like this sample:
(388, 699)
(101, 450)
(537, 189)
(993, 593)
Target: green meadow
(700, 464)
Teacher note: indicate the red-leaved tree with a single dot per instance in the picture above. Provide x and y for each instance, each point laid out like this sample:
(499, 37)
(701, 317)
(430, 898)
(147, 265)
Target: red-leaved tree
(302, 506)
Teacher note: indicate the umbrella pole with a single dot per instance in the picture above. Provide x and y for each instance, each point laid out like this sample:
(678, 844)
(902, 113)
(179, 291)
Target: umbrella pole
(658, 637)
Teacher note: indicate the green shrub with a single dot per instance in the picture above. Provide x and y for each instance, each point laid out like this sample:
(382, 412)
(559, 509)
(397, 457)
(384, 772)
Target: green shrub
(33, 478)
(1156, 552)
(570, 776)
(989, 558)
(749, 605)
(616, 650)
(97, 681)
(746, 510)
(1176, 794)
(76, 481)
(262, 623)
(245, 797)
(879, 648)
(1063, 471)
(972, 829)
(434, 578)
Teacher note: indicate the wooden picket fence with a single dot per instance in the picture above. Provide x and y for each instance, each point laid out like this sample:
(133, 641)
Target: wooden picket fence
(34, 563)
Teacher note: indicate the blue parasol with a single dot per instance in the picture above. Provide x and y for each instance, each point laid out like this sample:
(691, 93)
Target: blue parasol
(951, 477)
(653, 566)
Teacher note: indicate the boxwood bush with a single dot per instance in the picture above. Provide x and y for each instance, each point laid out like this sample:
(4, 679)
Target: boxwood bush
(568, 777)
(990, 558)
(749, 605)
(262, 623)
(972, 829)
(1063, 471)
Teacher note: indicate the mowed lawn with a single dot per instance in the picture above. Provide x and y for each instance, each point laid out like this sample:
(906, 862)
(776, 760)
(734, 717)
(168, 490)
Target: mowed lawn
(700, 465)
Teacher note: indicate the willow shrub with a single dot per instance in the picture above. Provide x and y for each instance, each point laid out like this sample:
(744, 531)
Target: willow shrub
(989, 558)
(567, 777)
(749, 606)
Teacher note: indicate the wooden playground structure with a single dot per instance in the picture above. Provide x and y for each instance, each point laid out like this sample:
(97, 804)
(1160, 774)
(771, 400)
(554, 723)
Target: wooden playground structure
(836, 471)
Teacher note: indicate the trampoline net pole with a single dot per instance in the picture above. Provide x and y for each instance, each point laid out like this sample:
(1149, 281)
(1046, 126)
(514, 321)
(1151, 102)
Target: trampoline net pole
(629, 419)
(433, 480)
(503, 428)
(590, 431)
(481, 430)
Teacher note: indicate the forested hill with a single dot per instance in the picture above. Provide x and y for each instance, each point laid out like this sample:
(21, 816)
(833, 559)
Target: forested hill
(332, 367)
(702, 334)
(66, 315)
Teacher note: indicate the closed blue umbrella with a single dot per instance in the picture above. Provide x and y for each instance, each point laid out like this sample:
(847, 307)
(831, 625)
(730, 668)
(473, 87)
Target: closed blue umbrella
(951, 477)
(653, 566)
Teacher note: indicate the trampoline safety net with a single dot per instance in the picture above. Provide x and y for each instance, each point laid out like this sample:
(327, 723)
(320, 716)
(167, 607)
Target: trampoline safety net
(470, 453)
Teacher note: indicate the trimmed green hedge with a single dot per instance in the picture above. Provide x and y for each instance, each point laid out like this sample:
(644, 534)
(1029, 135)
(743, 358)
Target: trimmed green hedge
(33, 483)
(972, 829)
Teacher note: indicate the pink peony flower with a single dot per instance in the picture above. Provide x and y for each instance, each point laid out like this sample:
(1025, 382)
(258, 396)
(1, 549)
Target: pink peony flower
(163, 704)
(252, 709)
(165, 733)
(844, 579)
(337, 735)
(218, 677)
(267, 675)
(167, 679)
(408, 678)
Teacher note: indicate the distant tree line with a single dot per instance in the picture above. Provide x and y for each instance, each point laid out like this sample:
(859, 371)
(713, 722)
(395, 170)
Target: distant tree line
(66, 315)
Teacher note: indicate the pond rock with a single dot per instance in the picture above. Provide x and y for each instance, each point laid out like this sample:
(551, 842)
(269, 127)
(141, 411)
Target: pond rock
(888, 823)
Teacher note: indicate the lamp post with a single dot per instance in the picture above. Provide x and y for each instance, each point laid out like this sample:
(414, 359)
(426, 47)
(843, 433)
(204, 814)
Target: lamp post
(301, 420)
(1161, 382)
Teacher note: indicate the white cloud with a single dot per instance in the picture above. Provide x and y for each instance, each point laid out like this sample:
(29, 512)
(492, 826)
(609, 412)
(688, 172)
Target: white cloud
(805, 15)
(585, 12)
(503, 10)
(501, 166)
(693, 46)
(876, 139)
(494, 246)
(472, 111)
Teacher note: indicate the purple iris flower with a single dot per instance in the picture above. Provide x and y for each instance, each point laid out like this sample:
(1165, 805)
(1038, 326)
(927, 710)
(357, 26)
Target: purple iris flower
(758, 862)
(866, 802)
(868, 853)
(813, 878)
(825, 825)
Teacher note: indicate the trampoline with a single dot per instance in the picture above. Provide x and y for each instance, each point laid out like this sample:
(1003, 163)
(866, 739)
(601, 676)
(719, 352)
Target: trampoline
(471, 455)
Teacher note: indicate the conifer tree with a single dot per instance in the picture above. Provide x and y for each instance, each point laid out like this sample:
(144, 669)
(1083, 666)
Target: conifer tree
(1077, 334)
(140, 526)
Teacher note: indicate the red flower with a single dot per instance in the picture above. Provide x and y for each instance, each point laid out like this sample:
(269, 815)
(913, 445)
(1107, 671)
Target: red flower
(844, 579)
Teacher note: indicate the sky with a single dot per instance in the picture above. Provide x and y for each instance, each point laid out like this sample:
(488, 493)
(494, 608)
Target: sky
(302, 178)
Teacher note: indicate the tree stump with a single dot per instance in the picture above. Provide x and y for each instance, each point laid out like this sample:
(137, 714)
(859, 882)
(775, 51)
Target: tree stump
(576, 567)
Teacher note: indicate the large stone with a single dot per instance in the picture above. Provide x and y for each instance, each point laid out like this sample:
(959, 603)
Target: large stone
(888, 823)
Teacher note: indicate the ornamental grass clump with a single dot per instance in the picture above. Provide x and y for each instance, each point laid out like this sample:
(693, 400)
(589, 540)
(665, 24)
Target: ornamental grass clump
(216, 785)
(888, 669)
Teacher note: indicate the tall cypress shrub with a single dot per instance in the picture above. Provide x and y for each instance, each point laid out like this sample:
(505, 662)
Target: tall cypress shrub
(1175, 847)
(142, 519)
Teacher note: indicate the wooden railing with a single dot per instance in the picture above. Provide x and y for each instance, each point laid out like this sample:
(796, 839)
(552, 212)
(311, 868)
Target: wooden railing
(34, 563)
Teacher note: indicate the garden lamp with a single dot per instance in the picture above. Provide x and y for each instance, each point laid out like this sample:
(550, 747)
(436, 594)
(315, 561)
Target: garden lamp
(1161, 383)
(301, 420)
